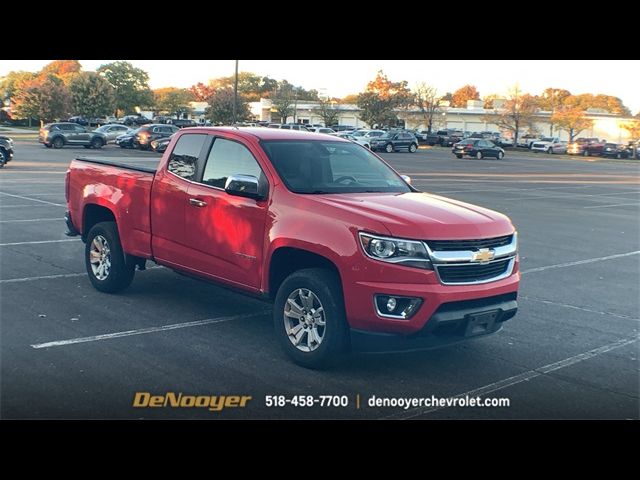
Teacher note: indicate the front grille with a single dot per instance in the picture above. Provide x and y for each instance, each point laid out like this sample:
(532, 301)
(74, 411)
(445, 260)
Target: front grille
(473, 272)
(459, 245)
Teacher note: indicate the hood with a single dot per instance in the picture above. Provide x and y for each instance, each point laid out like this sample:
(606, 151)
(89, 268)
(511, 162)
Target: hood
(423, 216)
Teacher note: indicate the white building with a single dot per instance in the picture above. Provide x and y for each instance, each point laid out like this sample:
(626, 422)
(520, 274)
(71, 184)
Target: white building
(473, 119)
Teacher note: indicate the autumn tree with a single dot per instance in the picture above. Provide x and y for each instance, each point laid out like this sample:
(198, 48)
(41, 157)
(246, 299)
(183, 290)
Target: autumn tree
(283, 100)
(460, 96)
(427, 100)
(488, 101)
(220, 109)
(45, 98)
(607, 103)
(65, 70)
(633, 127)
(517, 113)
(173, 100)
(91, 95)
(202, 92)
(380, 99)
(350, 99)
(9, 83)
(328, 111)
(131, 85)
(572, 120)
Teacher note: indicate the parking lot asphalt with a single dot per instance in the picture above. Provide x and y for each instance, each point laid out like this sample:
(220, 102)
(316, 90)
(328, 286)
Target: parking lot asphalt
(571, 352)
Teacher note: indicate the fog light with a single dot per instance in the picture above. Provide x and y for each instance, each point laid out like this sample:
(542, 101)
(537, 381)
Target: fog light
(396, 307)
(391, 304)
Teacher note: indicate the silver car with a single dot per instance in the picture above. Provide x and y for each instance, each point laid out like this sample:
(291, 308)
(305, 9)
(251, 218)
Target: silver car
(112, 131)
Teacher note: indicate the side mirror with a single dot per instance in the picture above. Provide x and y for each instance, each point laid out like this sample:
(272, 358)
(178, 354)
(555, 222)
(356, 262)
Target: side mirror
(243, 186)
(406, 178)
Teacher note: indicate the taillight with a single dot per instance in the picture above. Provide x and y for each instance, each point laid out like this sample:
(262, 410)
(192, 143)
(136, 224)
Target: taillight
(469, 145)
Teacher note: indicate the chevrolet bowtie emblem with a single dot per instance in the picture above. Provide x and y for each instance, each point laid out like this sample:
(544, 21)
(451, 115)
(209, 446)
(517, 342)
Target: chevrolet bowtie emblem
(483, 255)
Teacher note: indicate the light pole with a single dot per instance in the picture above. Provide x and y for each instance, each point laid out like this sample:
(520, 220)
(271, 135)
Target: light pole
(235, 95)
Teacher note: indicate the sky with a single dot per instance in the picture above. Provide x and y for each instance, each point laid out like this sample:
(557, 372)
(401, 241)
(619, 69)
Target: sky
(337, 78)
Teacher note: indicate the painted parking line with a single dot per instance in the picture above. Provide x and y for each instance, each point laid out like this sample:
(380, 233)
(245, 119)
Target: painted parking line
(575, 307)
(144, 331)
(28, 205)
(576, 196)
(39, 242)
(616, 205)
(43, 277)
(516, 379)
(33, 220)
(32, 199)
(580, 262)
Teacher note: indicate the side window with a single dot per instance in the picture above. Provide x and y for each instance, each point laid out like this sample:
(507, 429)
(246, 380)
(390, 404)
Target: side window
(228, 158)
(184, 157)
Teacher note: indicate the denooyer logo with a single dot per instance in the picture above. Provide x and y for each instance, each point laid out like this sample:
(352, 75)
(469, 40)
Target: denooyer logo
(214, 403)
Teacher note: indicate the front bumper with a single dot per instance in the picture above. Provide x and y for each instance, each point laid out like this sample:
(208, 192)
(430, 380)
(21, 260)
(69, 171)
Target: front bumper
(452, 323)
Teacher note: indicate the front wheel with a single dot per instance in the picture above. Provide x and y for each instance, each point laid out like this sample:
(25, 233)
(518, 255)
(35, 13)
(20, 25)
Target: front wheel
(413, 147)
(309, 318)
(3, 158)
(550, 151)
(105, 260)
(479, 155)
(500, 155)
(58, 142)
(458, 156)
(97, 143)
(389, 148)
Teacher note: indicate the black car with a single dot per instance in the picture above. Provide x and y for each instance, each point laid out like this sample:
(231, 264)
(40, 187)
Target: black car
(182, 122)
(478, 148)
(126, 139)
(616, 151)
(394, 141)
(80, 120)
(6, 150)
(57, 135)
(161, 144)
(147, 134)
(130, 120)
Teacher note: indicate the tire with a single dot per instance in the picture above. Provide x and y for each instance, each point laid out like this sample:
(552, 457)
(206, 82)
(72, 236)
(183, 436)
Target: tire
(413, 147)
(550, 151)
(618, 155)
(3, 158)
(500, 155)
(585, 153)
(87, 146)
(322, 287)
(458, 156)
(116, 275)
(122, 145)
(479, 155)
(97, 143)
(58, 142)
(388, 148)
(48, 145)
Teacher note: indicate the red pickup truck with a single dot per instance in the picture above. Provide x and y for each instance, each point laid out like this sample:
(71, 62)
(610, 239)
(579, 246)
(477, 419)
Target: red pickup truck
(349, 252)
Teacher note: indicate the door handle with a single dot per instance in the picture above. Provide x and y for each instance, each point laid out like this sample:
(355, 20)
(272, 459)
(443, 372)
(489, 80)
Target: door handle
(197, 203)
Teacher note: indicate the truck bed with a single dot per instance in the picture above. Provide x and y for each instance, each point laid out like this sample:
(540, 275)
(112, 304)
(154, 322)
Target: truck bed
(129, 163)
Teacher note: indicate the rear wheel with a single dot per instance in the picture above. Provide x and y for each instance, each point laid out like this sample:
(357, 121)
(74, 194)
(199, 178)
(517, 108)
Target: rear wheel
(97, 142)
(105, 260)
(58, 142)
(479, 155)
(3, 158)
(550, 151)
(87, 146)
(48, 145)
(389, 148)
(458, 156)
(309, 318)
(586, 153)
(500, 155)
(413, 147)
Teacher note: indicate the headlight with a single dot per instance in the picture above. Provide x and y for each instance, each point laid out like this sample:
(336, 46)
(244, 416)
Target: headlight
(409, 253)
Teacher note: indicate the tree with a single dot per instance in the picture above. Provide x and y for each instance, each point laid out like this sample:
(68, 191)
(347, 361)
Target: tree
(45, 98)
(572, 120)
(91, 95)
(460, 96)
(350, 99)
(328, 112)
(282, 100)
(551, 100)
(131, 85)
(517, 113)
(201, 92)
(65, 70)
(175, 101)
(428, 101)
(9, 83)
(633, 127)
(489, 101)
(220, 110)
(252, 86)
(381, 98)
(607, 103)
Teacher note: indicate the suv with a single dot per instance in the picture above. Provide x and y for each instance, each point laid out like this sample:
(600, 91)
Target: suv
(394, 141)
(57, 135)
(6, 150)
(181, 122)
(130, 120)
(147, 134)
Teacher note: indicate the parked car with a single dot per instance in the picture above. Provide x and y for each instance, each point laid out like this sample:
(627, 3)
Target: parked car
(79, 120)
(57, 135)
(160, 145)
(577, 147)
(525, 141)
(112, 131)
(393, 141)
(342, 128)
(325, 130)
(342, 244)
(444, 138)
(616, 151)
(181, 122)
(593, 149)
(6, 150)
(549, 145)
(131, 120)
(126, 139)
(504, 142)
(478, 148)
(421, 135)
(160, 119)
(145, 135)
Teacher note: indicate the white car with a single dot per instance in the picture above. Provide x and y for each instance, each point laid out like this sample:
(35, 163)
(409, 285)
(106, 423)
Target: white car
(360, 141)
(549, 145)
(112, 131)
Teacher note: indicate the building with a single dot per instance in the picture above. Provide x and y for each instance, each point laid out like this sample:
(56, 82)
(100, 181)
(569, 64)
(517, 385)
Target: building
(471, 119)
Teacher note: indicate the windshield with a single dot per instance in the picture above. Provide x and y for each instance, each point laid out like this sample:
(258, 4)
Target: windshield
(311, 166)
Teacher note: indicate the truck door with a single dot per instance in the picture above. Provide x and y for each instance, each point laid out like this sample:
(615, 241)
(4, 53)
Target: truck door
(169, 200)
(226, 232)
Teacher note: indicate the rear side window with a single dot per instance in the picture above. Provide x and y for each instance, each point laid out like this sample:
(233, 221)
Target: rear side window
(228, 158)
(184, 157)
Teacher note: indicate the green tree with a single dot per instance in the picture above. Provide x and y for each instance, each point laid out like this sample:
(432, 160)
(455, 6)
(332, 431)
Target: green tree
(91, 95)
(131, 86)
(175, 101)
(572, 120)
(252, 86)
(9, 83)
(516, 114)
(220, 110)
(328, 111)
(428, 101)
(460, 96)
(45, 98)
(381, 98)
